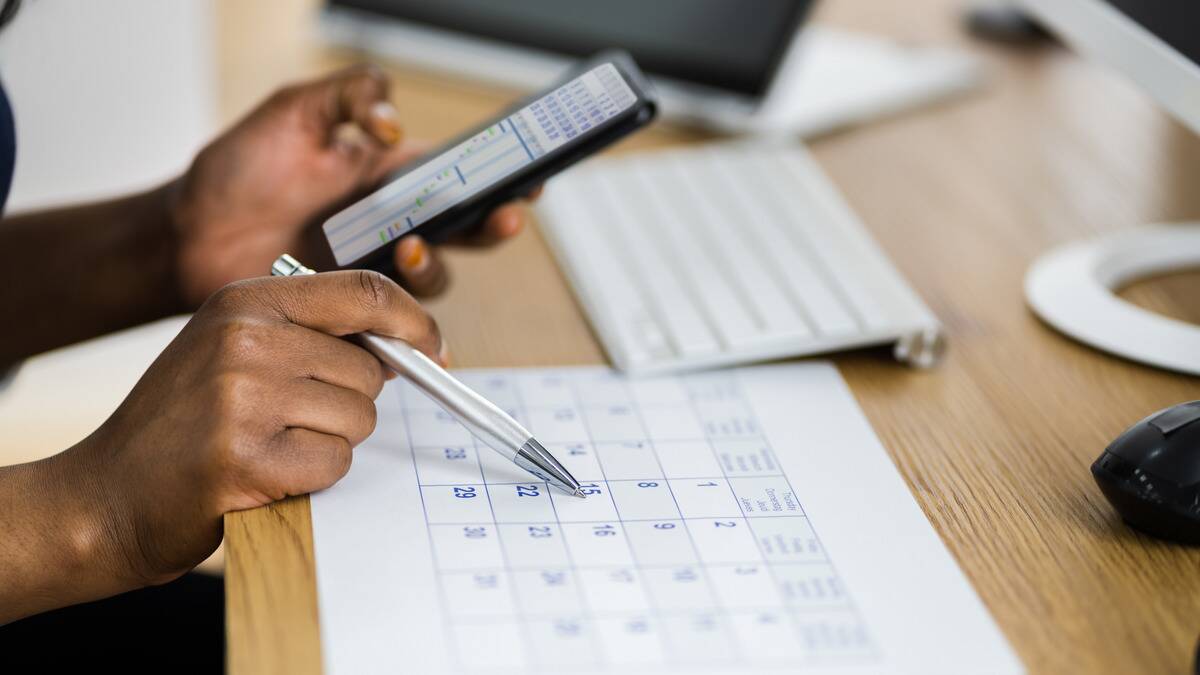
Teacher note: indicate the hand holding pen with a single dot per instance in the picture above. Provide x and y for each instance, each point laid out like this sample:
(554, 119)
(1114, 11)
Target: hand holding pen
(481, 417)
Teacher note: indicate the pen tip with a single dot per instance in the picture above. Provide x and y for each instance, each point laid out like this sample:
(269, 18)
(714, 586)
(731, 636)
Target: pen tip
(579, 493)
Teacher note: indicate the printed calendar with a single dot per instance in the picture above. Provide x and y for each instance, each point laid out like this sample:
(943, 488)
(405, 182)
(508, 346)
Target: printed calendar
(736, 521)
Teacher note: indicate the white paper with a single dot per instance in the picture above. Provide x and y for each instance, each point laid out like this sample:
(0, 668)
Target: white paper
(742, 521)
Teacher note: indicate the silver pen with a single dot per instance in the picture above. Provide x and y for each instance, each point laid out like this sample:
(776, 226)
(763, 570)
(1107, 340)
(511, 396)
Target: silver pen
(480, 416)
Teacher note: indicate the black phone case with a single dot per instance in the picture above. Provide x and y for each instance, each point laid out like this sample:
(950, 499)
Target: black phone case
(471, 212)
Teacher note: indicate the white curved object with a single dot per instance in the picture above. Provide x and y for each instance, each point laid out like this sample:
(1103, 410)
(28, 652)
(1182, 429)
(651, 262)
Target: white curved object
(1071, 288)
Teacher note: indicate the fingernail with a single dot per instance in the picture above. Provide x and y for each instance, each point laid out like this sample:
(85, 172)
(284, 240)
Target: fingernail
(416, 258)
(444, 354)
(348, 139)
(387, 122)
(514, 224)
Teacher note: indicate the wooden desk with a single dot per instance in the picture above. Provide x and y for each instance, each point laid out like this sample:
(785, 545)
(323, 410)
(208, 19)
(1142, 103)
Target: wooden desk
(995, 443)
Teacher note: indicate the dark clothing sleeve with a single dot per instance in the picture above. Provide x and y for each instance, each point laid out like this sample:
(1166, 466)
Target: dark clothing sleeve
(174, 628)
(8, 148)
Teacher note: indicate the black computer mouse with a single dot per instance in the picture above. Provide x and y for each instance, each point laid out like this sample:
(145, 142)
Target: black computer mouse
(1151, 474)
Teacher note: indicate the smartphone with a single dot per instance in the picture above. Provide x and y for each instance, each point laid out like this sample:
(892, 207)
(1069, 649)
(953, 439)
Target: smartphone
(454, 188)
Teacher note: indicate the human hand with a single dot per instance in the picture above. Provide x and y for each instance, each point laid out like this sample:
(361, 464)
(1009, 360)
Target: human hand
(255, 400)
(301, 155)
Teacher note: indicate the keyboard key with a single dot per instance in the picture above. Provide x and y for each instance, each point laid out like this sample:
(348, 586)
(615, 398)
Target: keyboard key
(711, 292)
(770, 231)
(687, 329)
(795, 183)
(628, 321)
(722, 228)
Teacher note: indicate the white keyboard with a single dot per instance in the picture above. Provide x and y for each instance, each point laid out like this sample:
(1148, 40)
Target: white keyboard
(724, 254)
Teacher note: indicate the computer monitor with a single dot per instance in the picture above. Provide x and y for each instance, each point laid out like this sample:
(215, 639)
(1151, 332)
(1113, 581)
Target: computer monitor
(728, 65)
(1156, 43)
(709, 55)
(712, 43)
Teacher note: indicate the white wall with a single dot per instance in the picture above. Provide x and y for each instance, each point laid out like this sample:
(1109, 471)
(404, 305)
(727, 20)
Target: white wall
(109, 95)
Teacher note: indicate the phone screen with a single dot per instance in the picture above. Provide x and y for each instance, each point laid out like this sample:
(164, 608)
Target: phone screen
(551, 121)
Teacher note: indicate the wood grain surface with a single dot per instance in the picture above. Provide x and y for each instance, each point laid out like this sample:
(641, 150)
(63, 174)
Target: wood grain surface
(995, 443)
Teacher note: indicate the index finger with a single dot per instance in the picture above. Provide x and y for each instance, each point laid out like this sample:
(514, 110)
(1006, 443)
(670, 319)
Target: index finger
(354, 301)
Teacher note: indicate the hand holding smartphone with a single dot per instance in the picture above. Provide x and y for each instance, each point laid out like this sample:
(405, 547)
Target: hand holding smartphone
(456, 186)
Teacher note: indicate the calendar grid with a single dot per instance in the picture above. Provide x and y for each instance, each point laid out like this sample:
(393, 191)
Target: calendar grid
(725, 475)
(530, 643)
(587, 522)
(816, 536)
(659, 562)
(691, 538)
(620, 614)
(653, 611)
(400, 392)
(526, 568)
(570, 558)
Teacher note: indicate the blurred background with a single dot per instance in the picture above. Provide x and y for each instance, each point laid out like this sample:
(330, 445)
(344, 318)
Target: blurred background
(123, 93)
(120, 94)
